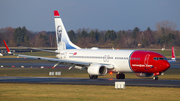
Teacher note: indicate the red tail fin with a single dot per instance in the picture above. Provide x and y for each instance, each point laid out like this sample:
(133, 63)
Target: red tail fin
(7, 48)
(173, 54)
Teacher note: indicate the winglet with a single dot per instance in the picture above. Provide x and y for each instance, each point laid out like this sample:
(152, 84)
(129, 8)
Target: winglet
(7, 48)
(173, 54)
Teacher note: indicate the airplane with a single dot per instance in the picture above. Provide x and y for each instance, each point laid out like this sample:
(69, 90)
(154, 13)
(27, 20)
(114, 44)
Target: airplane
(97, 62)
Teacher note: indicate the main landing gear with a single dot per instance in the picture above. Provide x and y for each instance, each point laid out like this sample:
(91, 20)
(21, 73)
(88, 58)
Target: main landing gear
(120, 76)
(93, 76)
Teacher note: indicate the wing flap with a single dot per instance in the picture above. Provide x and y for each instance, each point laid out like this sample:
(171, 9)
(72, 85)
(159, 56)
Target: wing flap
(63, 61)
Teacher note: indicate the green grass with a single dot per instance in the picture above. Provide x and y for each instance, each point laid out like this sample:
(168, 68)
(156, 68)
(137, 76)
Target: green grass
(34, 72)
(171, 74)
(168, 53)
(54, 92)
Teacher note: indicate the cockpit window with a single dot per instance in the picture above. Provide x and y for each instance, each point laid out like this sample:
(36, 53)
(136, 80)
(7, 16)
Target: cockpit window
(159, 58)
(155, 58)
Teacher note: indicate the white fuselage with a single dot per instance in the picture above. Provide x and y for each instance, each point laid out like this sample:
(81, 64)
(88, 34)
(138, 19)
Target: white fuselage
(118, 58)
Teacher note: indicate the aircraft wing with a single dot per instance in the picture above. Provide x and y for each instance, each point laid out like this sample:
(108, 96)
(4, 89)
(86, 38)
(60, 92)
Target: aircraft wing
(66, 62)
(61, 61)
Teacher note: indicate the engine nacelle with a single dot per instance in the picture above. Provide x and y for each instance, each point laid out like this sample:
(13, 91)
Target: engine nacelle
(97, 69)
(144, 74)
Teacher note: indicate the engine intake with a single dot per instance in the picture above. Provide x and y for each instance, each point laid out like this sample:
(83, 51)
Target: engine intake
(97, 70)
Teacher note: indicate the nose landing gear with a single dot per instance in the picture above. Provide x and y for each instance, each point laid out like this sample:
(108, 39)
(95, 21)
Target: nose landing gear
(155, 78)
(156, 75)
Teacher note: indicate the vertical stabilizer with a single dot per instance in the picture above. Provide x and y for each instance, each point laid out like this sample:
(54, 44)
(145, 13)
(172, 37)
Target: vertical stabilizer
(62, 37)
(173, 54)
(7, 48)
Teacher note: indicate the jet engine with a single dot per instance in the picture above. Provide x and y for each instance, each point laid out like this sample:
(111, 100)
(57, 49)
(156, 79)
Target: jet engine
(144, 74)
(97, 69)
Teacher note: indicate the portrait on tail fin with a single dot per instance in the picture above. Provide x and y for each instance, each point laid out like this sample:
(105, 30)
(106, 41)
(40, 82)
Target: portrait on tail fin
(59, 33)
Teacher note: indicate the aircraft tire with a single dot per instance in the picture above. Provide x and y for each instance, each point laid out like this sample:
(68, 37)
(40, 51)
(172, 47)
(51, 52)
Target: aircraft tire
(155, 77)
(91, 76)
(95, 76)
(118, 76)
(122, 76)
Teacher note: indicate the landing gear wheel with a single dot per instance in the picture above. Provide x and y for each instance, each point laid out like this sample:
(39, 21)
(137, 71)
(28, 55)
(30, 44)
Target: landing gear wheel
(120, 76)
(155, 78)
(93, 76)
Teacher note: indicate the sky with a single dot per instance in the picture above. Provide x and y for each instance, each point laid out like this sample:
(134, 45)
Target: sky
(38, 15)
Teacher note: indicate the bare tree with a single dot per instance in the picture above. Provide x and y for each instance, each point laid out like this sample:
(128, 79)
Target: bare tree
(51, 39)
(165, 27)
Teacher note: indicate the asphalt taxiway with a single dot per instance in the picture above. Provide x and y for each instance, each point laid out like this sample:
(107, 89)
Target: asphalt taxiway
(87, 81)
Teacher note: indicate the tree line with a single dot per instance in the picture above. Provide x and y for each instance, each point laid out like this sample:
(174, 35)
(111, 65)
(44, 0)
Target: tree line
(164, 36)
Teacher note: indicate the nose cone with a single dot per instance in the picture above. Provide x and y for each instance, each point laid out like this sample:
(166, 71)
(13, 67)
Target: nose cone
(165, 65)
(168, 65)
